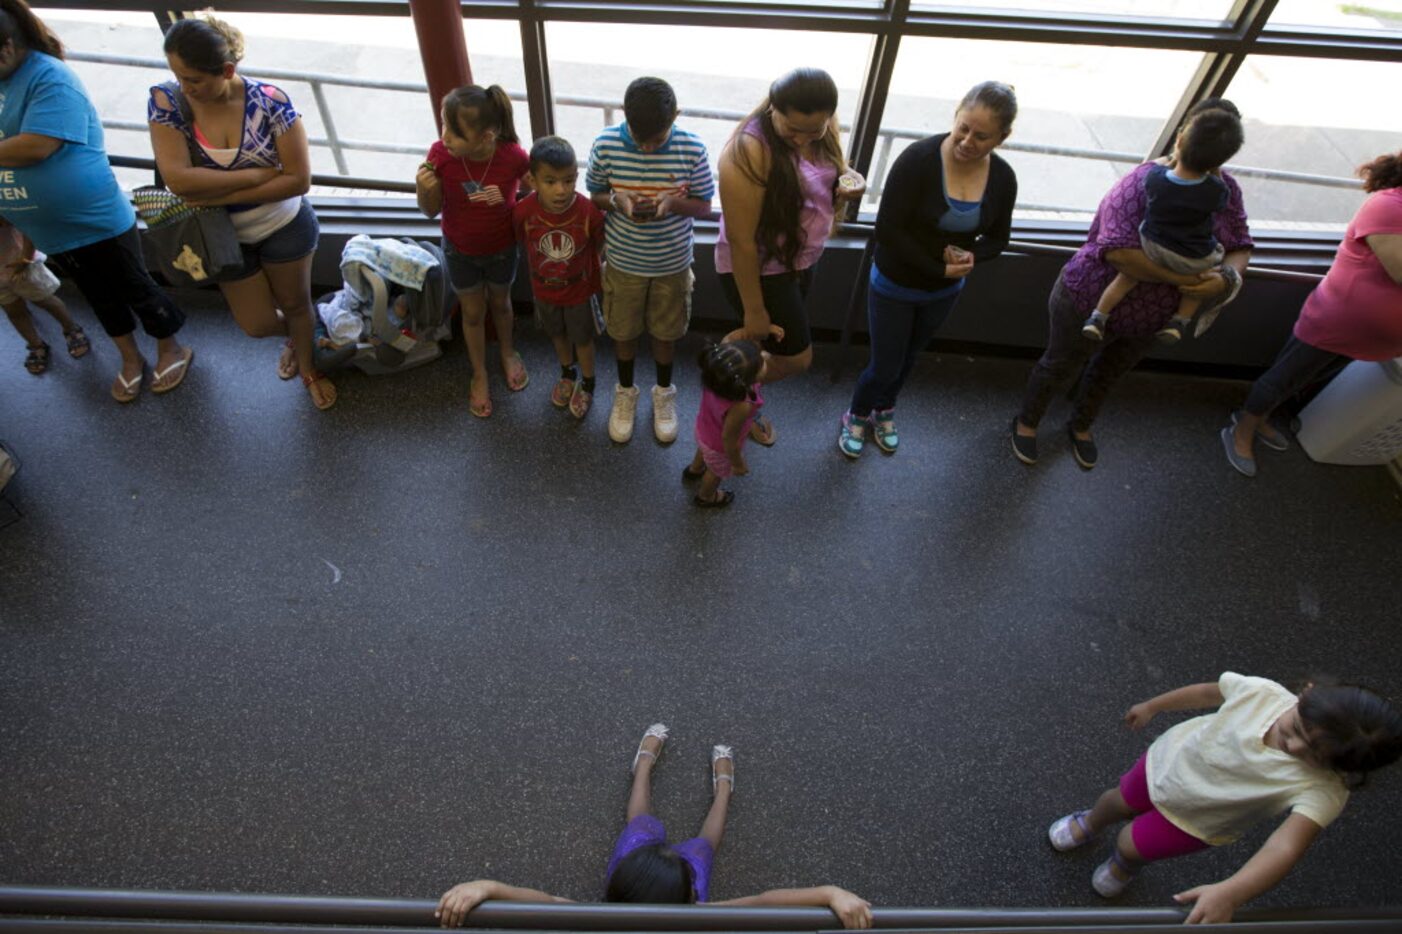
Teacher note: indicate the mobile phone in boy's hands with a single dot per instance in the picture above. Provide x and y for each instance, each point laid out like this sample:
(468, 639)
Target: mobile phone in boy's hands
(644, 209)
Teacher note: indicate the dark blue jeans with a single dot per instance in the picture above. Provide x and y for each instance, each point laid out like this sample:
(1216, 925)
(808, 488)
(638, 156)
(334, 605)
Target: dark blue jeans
(1296, 366)
(899, 332)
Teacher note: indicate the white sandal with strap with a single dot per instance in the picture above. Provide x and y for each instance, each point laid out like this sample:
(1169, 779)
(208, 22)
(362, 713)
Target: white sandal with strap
(719, 752)
(657, 731)
(1063, 835)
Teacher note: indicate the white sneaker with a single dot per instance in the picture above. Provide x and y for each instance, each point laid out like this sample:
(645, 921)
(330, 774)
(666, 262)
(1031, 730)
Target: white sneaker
(625, 408)
(664, 413)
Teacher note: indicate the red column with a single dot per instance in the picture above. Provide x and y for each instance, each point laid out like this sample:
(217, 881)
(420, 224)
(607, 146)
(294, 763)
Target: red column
(438, 24)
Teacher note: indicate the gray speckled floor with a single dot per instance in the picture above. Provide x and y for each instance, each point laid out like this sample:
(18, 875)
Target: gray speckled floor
(248, 646)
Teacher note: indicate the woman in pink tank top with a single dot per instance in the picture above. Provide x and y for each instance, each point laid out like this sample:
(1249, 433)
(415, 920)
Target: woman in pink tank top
(782, 177)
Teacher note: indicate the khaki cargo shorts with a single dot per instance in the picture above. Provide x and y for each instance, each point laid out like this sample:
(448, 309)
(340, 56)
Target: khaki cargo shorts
(661, 305)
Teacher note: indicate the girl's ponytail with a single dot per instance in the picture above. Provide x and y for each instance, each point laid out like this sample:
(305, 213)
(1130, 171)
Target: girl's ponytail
(19, 24)
(1383, 172)
(507, 130)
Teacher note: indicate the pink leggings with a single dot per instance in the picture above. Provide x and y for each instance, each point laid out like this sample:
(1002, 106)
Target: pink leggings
(1155, 837)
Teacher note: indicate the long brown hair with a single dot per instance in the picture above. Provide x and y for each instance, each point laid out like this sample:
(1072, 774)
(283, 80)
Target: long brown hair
(18, 24)
(805, 91)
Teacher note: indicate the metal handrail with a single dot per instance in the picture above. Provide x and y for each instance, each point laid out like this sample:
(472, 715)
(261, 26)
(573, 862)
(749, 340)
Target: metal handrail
(578, 916)
(610, 108)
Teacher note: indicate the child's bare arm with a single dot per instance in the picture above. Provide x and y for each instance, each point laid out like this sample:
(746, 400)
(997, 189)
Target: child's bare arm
(455, 904)
(1215, 903)
(428, 190)
(733, 433)
(852, 910)
(1193, 697)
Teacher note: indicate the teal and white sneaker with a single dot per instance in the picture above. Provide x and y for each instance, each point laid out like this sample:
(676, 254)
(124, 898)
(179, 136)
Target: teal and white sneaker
(883, 423)
(853, 436)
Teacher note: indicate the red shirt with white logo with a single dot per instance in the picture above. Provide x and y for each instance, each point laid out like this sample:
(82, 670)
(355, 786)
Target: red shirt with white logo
(562, 250)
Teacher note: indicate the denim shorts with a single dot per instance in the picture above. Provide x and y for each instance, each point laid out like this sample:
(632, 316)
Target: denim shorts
(292, 241)
(469, 273)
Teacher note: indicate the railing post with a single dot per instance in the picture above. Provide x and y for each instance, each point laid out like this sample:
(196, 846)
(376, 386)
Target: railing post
(443, 49)
(878, 174)
(332, 139)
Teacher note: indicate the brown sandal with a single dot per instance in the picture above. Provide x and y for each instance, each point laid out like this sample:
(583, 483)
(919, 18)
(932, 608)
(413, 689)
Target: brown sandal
(317, 377)
(78, 345)
(37, 360)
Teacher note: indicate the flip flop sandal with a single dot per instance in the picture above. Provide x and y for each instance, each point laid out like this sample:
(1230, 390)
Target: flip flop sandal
(309, 381)
(78, 345)
(723, 498)
(688, 476)
(482, 409)
(129, 390)
(37, 360)
(516, 377)
(180, 368)
(1063, 837)
(287, 363)
(762, 432)
(719, 752)
(657, 731)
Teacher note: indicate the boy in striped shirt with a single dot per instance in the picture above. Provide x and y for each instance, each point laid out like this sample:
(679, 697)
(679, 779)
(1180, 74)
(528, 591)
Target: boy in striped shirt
(653, 179)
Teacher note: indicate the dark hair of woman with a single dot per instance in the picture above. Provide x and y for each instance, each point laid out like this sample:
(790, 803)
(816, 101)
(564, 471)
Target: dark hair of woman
(19, 25)
(1383, 172)
(998, 98)
(803, 91)
(481, 109)
(204, 43)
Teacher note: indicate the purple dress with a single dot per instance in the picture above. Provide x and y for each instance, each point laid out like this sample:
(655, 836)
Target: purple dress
(646, 830)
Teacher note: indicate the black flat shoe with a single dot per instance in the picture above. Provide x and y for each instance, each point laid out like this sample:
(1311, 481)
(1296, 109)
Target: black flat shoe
(1085, 451)
(723, 498)
(1023, 447)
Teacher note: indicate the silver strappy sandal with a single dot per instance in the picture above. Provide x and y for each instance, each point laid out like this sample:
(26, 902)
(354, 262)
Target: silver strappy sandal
(719, 752)
(659, 732)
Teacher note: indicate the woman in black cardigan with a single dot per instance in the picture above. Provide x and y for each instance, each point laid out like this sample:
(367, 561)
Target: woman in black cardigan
(947, 204)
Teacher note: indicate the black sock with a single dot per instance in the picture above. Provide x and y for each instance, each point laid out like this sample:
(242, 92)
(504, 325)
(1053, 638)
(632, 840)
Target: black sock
(625, 373)
(587, 384)
(567, 372)
(664, 375)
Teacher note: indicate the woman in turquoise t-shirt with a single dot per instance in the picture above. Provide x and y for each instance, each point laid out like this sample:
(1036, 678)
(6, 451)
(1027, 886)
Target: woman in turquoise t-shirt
(57, 187)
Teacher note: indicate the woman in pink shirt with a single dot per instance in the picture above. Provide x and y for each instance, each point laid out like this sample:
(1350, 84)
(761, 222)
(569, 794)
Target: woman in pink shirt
(782, 177)
(1355, 313)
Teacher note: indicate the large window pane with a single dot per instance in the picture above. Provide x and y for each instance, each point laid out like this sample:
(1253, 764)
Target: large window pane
(584, 69)
(1091, 99)
(1209, 10)
(1368, 16)
(382, 133)
(1299, 120)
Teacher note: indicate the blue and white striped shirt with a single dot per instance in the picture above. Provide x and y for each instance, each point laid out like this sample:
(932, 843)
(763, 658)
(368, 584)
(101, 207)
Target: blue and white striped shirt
(679, 167)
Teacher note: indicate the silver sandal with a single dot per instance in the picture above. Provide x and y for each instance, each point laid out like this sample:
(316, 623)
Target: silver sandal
(719, 752)
(659, 732)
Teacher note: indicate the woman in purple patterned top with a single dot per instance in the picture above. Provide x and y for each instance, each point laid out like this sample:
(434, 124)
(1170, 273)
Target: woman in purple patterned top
(222, 139)
(1113, 246)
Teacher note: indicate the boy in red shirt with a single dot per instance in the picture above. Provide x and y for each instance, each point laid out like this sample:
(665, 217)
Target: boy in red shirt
(563, 235)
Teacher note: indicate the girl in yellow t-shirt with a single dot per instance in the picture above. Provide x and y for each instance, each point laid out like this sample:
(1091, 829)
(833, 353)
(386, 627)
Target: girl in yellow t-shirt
(1207, 780)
